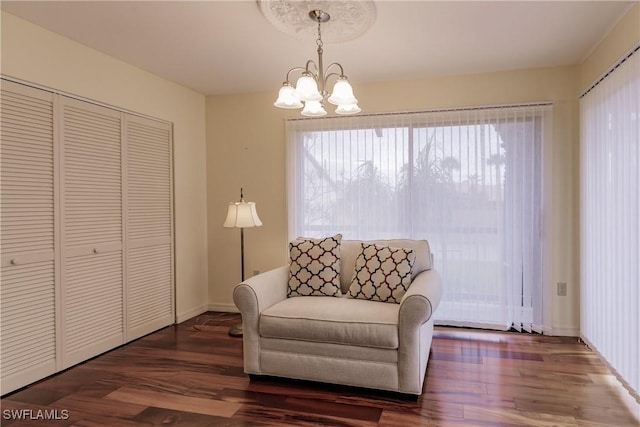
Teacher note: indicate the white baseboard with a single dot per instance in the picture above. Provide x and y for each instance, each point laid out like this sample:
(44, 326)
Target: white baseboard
(561, 332)
(225, 308)
(186, 315)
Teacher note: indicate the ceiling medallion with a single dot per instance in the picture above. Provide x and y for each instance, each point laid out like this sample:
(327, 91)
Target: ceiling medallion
(349, 19)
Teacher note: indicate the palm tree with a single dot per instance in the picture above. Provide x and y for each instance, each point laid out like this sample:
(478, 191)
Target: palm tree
(366, 200)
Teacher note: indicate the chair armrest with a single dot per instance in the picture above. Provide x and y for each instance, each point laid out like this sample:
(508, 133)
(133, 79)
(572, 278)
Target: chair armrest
(415, 329)
(253, 296)
(262, 291)
(421, 299)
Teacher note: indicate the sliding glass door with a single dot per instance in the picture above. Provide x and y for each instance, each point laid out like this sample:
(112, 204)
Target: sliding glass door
(468, 181)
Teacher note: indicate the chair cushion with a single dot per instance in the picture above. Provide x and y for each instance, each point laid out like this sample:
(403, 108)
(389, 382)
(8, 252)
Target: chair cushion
(382, 273)
(315, 267)
(332, 320)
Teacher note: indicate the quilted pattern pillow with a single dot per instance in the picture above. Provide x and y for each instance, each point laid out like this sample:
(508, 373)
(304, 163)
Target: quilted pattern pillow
(315, 267)
(382, 273)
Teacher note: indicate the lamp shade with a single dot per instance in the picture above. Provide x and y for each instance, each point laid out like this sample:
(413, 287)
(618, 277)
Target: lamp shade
(287, 97)
(313, 109)
(342, 93)
(348, 109)
(242, 215)
(307, 88)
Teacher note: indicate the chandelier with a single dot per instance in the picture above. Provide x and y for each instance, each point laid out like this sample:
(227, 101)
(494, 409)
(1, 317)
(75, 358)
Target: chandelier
(311, 88)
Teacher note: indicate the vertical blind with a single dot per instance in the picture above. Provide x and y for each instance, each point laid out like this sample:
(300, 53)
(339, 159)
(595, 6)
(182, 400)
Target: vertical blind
(610, 219)
(469, 181)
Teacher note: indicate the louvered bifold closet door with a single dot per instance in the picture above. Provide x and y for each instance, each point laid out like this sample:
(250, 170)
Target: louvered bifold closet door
(27, 274)
(149, 255)
(92, 260)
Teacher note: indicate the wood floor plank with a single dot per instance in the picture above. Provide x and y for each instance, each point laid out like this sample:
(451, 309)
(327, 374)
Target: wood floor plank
(501, 354)
(197, 405)
(497, 369)
(286, 417)
(597, 396)
(530, 378)
(75, 381)
(192, 375)
(576, 368)
(545, 376)
(447, 386)
(455, 357)
(39, 396)
(341, 410)
(533, 419)
(402, 419)
(171, 418)
(468, 398)
(606, 415)
(78, 402)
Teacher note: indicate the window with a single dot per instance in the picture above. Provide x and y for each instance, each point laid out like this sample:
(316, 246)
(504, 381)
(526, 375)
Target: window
(469, 181)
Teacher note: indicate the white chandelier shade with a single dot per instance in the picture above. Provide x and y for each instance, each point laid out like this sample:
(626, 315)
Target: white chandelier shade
(307, 88)
(313, 109)
(310, 92)
(342, 93)
(348, 109)
(287, 97)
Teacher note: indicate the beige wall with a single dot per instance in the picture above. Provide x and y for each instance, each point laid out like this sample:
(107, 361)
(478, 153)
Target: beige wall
(35, 55)
(624, 36)
(245, 148)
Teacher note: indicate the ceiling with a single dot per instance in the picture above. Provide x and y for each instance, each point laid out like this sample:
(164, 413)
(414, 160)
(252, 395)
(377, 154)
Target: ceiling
(220, 47)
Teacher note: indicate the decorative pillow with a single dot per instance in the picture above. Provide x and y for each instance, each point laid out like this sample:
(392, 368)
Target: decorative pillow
(315, 267)
(382, 273)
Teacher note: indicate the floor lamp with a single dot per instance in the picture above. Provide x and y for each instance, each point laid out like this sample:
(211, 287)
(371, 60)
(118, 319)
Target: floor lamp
(241, 215)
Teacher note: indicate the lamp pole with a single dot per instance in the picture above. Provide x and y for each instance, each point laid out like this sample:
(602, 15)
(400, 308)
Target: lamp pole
(242, 251)
(241, 215)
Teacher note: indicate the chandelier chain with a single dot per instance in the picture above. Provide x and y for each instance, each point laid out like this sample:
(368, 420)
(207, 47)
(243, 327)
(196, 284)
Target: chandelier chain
(319, 40)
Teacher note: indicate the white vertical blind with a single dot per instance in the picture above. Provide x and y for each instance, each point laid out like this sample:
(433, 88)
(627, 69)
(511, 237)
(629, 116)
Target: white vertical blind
(469, 181)
(610, 219)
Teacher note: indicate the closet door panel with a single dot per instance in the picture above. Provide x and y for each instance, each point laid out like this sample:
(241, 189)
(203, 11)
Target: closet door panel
(28, 323)
(92, 174)
(150, 290)
(27, 236)
(149, 226)
(93, 305)
(92, 251)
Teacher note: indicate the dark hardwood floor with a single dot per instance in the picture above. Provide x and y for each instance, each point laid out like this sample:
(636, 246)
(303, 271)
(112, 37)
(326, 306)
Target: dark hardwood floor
(191, 375)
